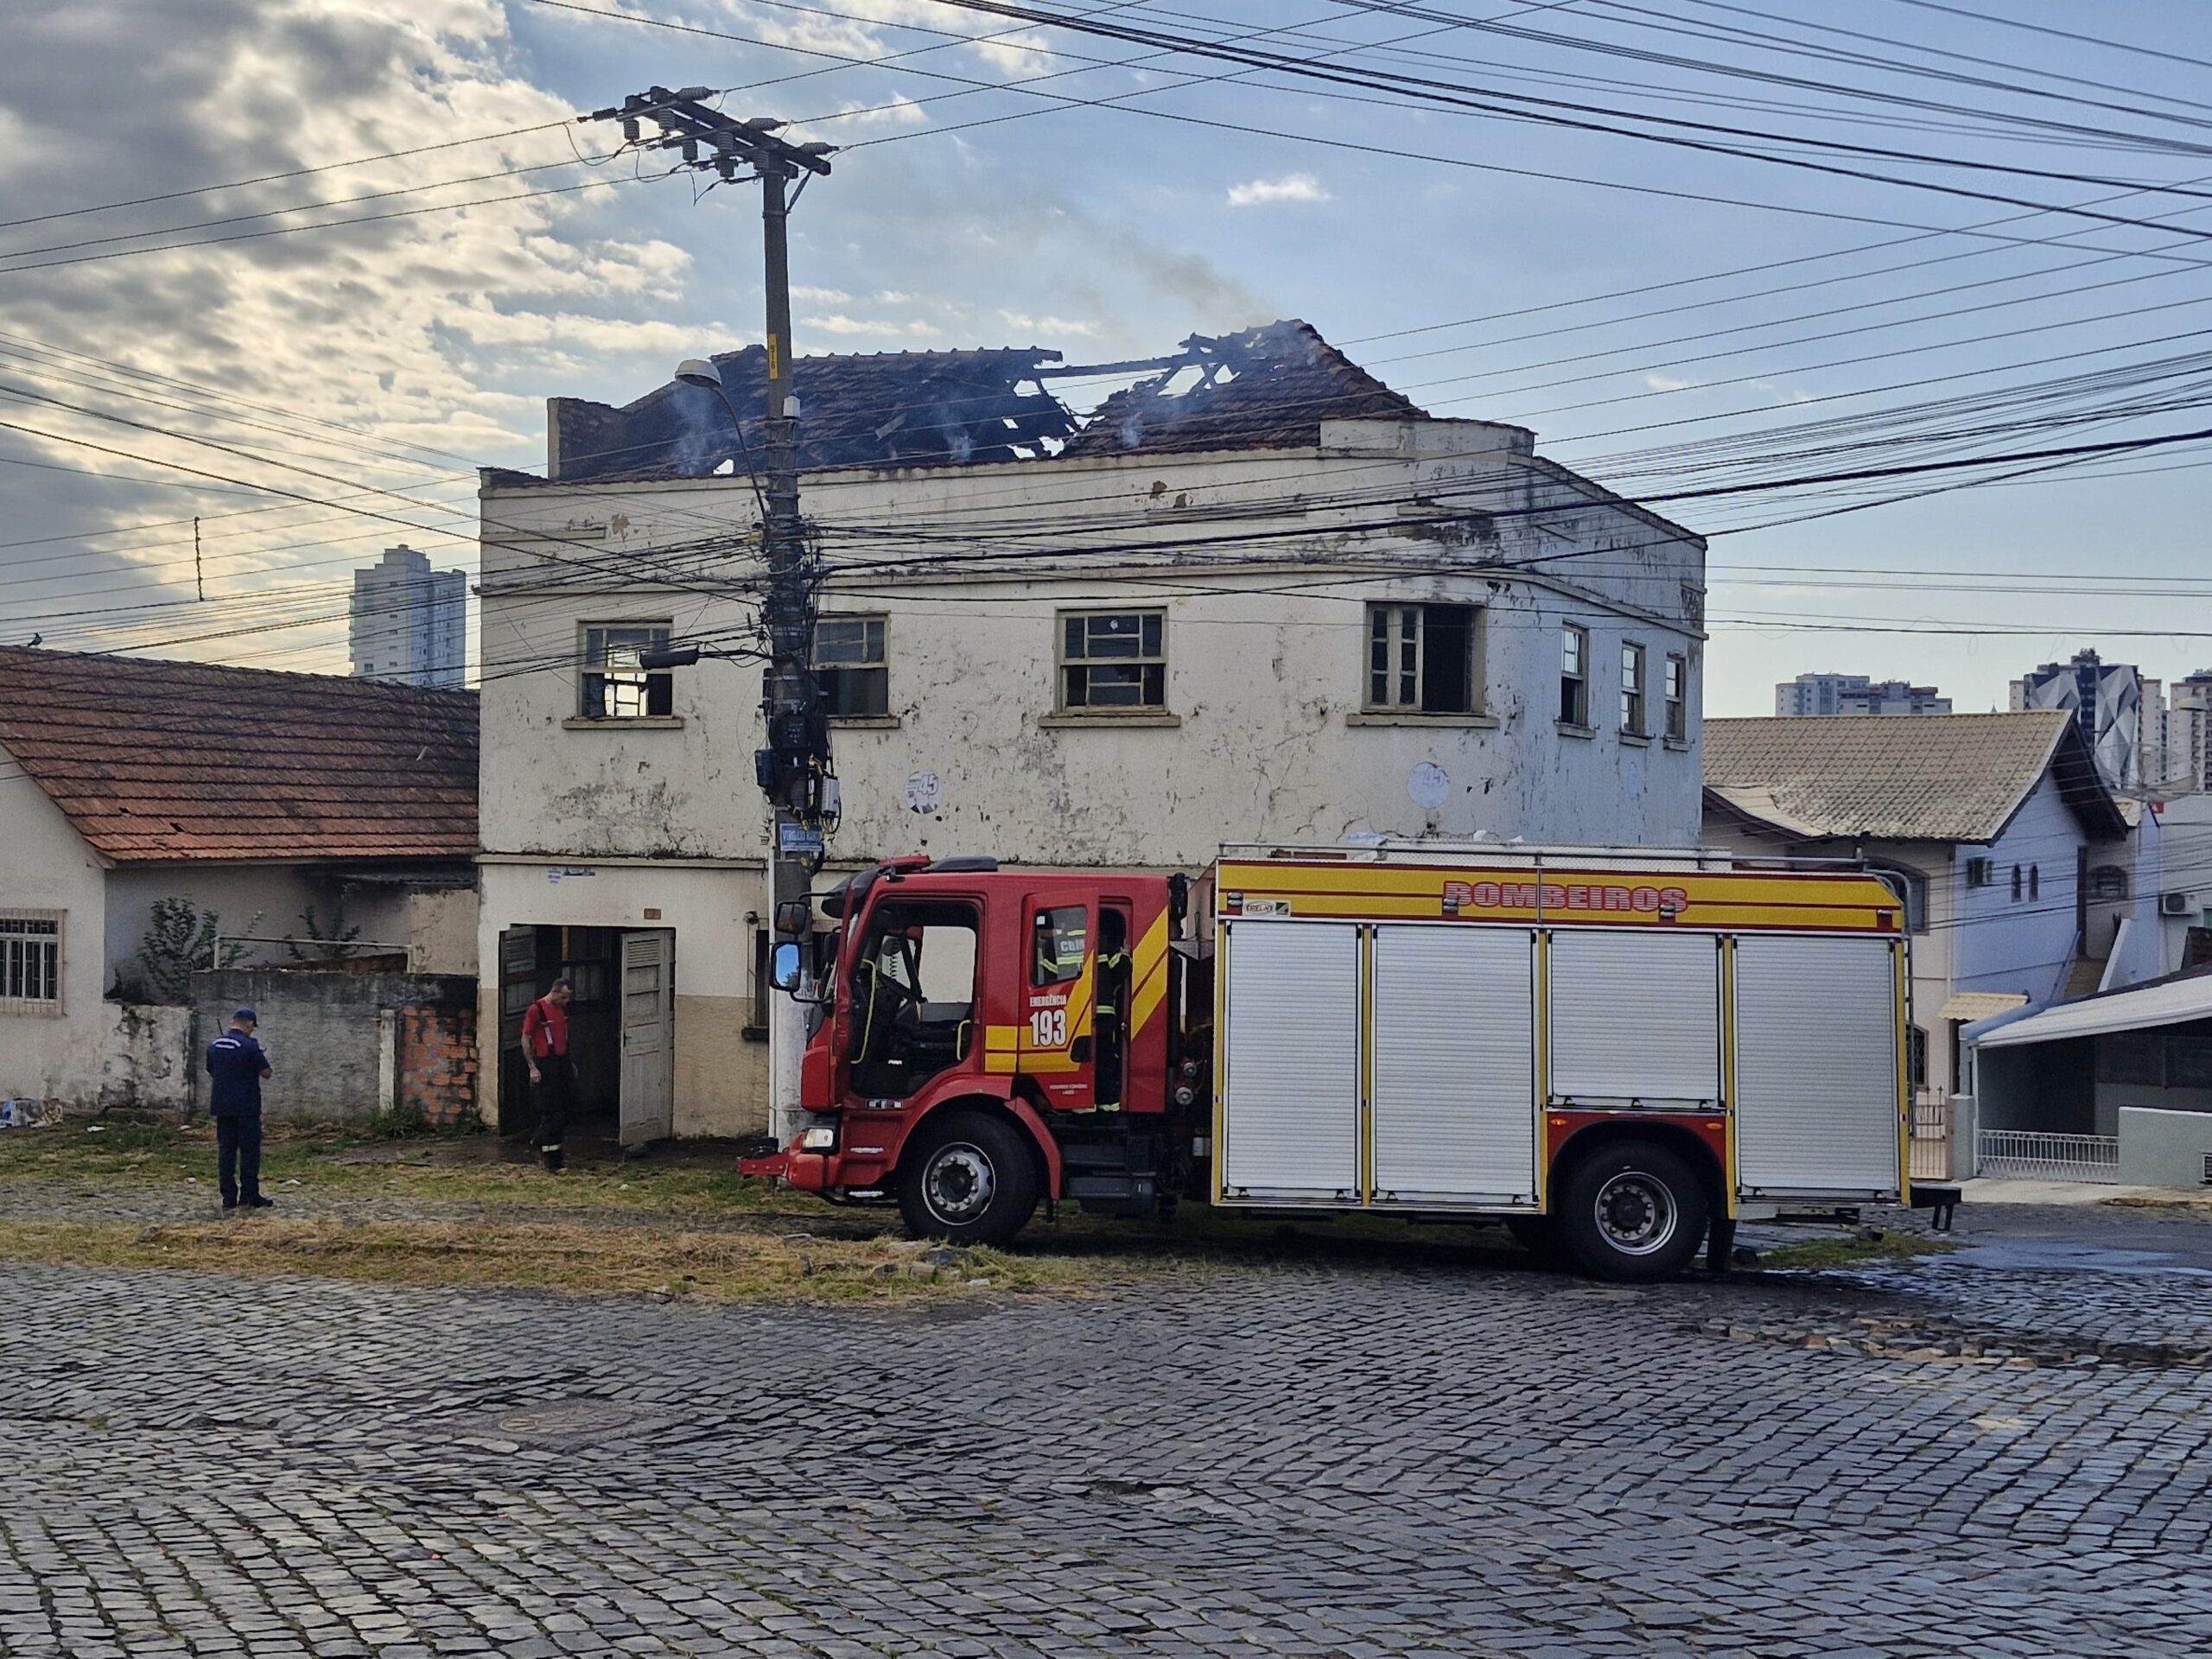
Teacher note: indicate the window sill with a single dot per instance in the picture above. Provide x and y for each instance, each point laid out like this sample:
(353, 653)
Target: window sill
(1679, 744)
(623, 723)
(1568, 728)
(1637, 740)
(31, 1010)
(1480, 723)
(865, 722)
(1150, 717)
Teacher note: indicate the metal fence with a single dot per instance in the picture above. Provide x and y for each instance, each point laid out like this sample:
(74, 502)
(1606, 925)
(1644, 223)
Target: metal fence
(1931, 1135)
(2026, 1154)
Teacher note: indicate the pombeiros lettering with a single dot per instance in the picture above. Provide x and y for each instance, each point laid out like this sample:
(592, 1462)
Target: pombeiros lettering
(1665, 902)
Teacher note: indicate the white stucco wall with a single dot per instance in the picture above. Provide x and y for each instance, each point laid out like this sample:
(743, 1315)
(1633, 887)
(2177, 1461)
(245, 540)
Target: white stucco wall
(1267, 660)
(720, 1079)
(2186, 868)
(49, 866)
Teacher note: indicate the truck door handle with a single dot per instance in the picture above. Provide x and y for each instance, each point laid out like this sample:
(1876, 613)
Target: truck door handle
(1079, 1051)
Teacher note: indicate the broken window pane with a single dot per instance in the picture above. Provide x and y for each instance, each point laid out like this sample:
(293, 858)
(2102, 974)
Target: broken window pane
(1421, 659)
(851, 673)
(1114, 660)
(615, 686)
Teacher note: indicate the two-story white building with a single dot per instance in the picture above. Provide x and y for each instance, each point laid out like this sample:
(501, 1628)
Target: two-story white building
(1256, 596)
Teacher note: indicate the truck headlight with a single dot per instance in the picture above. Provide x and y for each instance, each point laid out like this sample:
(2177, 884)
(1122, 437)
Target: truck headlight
(821, 1138)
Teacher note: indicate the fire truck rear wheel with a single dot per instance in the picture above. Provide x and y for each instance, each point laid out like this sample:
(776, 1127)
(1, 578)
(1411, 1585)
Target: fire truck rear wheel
(972, 1179)
(1632, 1211)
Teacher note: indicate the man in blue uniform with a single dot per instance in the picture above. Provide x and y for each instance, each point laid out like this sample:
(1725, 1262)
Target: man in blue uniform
(237, 1066)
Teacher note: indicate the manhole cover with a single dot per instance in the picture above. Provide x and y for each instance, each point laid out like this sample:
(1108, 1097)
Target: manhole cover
(568, 1422)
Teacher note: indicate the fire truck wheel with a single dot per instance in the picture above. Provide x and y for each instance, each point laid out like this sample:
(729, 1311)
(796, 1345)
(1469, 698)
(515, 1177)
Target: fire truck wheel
(1632, 1211)
(972, 1179)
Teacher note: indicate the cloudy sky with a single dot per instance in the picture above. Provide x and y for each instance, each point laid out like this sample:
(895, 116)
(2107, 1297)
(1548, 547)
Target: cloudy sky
(213, 306)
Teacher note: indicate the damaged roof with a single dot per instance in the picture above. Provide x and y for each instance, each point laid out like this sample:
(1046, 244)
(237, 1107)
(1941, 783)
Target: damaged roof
(1958, 777)
(1265, 388)
(152, 761)
(892, 408)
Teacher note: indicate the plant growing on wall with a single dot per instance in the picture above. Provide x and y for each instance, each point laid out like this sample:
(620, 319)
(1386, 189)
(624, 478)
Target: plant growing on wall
(180, 941)
(324, 943)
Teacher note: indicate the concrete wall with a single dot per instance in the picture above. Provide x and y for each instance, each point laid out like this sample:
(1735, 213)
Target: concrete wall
(349, 1045)
(720, 1079)
(2163, 1149)
(440, 932)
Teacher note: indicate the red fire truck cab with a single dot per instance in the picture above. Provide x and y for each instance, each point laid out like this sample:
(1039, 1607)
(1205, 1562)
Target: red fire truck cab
(1614, 1053)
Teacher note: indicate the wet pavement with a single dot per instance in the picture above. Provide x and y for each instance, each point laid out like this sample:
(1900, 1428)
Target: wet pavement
(1346, 1453)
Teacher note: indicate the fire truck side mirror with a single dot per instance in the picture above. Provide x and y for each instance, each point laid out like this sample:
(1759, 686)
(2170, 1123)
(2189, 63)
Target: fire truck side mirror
(783, 968)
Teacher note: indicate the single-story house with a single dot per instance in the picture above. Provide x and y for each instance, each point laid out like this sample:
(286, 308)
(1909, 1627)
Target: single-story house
(282, 813)
(2114, 1087)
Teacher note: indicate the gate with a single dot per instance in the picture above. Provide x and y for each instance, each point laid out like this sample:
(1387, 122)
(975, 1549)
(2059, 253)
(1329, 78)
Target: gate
(1931, 1135)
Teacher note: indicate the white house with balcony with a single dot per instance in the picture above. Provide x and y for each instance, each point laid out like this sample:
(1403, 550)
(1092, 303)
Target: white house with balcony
(1256, 595)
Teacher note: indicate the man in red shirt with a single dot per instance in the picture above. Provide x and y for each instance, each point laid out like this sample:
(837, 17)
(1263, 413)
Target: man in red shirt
(552, 1073)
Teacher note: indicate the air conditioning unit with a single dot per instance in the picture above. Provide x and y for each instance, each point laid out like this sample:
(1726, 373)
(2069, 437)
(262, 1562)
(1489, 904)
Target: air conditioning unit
(2174, 904)
(1981, 872)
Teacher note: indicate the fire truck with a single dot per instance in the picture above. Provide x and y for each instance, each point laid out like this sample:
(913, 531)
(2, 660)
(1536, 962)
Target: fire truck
(1617, 1053)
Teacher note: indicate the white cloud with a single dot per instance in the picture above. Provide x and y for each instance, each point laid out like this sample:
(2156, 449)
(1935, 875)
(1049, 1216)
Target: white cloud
(1292, 187)
(1048, 327)
(820, 295)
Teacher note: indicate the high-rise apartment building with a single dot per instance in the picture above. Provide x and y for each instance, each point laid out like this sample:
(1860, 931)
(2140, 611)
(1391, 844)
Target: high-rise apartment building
(2106, 700)
(1856, 694)
(2189, 735)
(409, 623)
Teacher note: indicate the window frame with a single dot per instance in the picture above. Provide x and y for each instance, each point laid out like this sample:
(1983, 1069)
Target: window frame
(1674, 697)
(597, 674)
(1574, 705)
(1636, 689)
(1390, 616)
(1063, 665)
(30, 935)
(880, 623)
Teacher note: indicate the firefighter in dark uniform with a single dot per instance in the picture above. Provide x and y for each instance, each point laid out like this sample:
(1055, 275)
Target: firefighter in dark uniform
(1110, 1015)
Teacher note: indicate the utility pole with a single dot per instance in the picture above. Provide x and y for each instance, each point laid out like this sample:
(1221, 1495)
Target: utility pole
(794, 770)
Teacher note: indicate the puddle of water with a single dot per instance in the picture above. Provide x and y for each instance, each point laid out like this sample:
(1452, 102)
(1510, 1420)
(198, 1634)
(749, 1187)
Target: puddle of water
(2051, 1256)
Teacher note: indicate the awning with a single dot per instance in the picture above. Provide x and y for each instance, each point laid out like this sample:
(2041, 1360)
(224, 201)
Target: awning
(2173, 1002)
(1966, 1007)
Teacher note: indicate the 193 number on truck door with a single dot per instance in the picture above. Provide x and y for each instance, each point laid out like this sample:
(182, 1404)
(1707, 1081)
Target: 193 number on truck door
(1048, 1027)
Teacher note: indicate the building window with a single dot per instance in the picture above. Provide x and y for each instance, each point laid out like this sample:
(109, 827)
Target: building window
(1421, 659)
(1113, 662)
(1916, 1057)
(2016, 884)
(2035, 881)
(1676, 691)
(1632, 688)
(1575, 676)
(2108, 881)
(615, 686)
(30, 962)
(849, 673)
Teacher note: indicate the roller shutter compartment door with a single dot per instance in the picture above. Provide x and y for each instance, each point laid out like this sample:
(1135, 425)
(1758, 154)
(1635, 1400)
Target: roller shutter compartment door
(1455, 1072)
(1636, 1015)
(1290, 1124)
(1816, 1065)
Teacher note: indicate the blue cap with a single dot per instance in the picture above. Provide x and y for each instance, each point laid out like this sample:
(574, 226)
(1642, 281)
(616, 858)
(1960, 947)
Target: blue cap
(247, 1014)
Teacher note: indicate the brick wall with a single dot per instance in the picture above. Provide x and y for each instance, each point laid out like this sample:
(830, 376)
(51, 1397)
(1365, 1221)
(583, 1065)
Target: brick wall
(437, 1062)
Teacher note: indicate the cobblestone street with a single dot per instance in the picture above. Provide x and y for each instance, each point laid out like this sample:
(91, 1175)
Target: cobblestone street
(1356, 1454)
